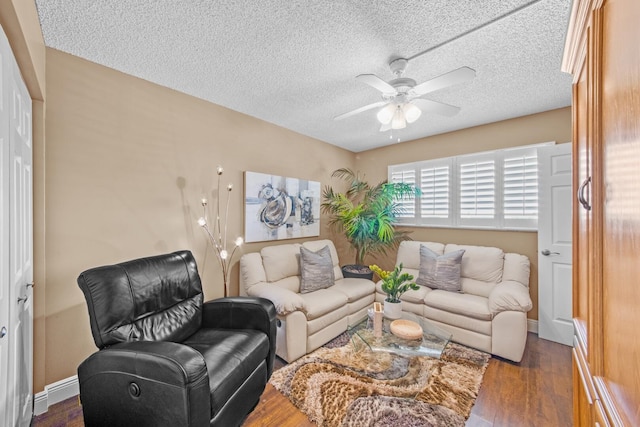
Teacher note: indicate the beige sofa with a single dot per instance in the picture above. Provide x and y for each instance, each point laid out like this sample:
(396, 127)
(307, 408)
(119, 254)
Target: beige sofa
(490, 311)
(306, 321)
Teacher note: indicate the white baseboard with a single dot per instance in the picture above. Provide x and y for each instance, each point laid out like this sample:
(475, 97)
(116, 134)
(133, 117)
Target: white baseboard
(532, 326)
(55, 393)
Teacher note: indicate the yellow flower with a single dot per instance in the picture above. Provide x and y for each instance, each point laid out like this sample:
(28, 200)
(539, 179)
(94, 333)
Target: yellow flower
(383, 274)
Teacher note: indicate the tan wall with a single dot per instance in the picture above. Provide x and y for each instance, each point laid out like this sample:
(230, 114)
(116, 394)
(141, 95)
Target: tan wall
(553, 125)
(127, 164)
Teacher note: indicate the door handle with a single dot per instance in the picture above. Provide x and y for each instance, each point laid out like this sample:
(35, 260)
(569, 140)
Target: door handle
(581, 198)
(23, 299)
(547, 252)
(3, 332)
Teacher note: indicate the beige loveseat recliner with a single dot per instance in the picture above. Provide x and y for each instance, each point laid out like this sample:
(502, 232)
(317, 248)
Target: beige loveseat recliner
(305, 320)
(490, 311)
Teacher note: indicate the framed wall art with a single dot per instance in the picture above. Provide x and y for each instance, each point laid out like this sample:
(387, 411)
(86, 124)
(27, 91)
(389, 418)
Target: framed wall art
(278, 207)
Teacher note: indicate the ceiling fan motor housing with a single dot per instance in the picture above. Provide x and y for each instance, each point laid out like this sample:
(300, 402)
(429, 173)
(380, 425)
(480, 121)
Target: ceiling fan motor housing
(403, 84)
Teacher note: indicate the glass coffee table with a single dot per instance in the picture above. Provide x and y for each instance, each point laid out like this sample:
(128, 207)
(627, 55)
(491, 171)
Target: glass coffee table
(433, 341)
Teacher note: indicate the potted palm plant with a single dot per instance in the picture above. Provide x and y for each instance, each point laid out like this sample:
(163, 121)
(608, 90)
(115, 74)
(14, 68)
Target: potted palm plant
(367, 216)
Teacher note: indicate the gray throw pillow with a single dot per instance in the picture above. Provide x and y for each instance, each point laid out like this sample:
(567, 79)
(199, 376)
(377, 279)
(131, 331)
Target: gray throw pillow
(440, 271)
(316, 269)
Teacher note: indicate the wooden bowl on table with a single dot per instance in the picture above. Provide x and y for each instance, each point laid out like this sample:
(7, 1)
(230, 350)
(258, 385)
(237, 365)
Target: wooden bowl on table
(406, 329)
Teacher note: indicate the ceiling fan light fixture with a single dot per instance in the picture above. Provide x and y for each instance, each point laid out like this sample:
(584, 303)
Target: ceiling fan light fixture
(398, 121)
(386, 113)
(411, 112)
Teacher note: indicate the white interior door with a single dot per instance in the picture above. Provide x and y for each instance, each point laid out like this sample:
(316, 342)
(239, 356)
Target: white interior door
(17, 232)
(4, 234)
(21, 251)
(554, 244)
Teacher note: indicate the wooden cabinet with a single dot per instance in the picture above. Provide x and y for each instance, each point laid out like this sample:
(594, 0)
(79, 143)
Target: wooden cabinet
(603, 56)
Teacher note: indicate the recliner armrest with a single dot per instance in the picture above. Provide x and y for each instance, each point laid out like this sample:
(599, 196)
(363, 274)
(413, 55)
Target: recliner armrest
(144, 383)
(509, 296)
(243, 313)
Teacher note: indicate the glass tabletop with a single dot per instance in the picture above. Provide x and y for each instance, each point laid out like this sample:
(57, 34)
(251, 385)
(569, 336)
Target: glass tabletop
(434, 339)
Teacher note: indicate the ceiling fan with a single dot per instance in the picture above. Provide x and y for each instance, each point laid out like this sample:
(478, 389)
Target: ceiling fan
(403, 100)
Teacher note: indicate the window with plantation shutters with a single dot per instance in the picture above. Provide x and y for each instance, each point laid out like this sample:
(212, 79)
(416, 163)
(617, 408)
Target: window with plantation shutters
(520, 187)
(407, 205)
(477, 189)
(493, 189)
(435, 186)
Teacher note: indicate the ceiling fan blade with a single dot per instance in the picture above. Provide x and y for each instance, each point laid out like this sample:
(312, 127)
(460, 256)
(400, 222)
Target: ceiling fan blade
(360, 110)
(461, 75)
(429, 106)
(377, 83)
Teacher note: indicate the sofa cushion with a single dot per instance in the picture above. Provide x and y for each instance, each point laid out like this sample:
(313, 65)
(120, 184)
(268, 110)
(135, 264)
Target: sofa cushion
(480, 262)
(440, 271)
(327, 323)
(323, 301)
(281, 261)
(464, 304)
(316, 269)
(409, 253)
(291, 283)
(415, 296)
(355, 289)
(470, 325)
(476, 287)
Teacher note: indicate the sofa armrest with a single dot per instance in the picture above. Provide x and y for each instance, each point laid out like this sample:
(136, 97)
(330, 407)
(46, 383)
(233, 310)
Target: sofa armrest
(145, 383)
(284, 300)
(509, 296)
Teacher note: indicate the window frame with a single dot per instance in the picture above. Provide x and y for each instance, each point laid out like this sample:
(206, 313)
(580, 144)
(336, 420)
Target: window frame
(455, 219)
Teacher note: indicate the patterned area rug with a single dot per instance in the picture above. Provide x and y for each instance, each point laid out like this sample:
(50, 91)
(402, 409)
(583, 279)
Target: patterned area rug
(335, 386)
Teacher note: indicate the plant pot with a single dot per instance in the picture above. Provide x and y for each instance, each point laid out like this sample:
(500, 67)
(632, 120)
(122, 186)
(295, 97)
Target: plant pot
(357, 271)
(392, 310)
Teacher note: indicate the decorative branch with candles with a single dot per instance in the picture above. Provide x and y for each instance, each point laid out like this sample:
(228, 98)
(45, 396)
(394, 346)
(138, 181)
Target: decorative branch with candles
(218, 236)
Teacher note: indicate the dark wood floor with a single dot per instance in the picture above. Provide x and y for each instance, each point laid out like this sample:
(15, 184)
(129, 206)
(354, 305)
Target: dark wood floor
(535, 392)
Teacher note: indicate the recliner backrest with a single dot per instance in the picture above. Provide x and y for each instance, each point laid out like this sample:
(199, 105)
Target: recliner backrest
(157, 298)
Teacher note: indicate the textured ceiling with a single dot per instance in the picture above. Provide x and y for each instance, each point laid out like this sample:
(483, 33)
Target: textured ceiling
(294, 63)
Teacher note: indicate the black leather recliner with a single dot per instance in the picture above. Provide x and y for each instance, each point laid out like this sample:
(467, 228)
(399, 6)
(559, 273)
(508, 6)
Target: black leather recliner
(166, 358)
